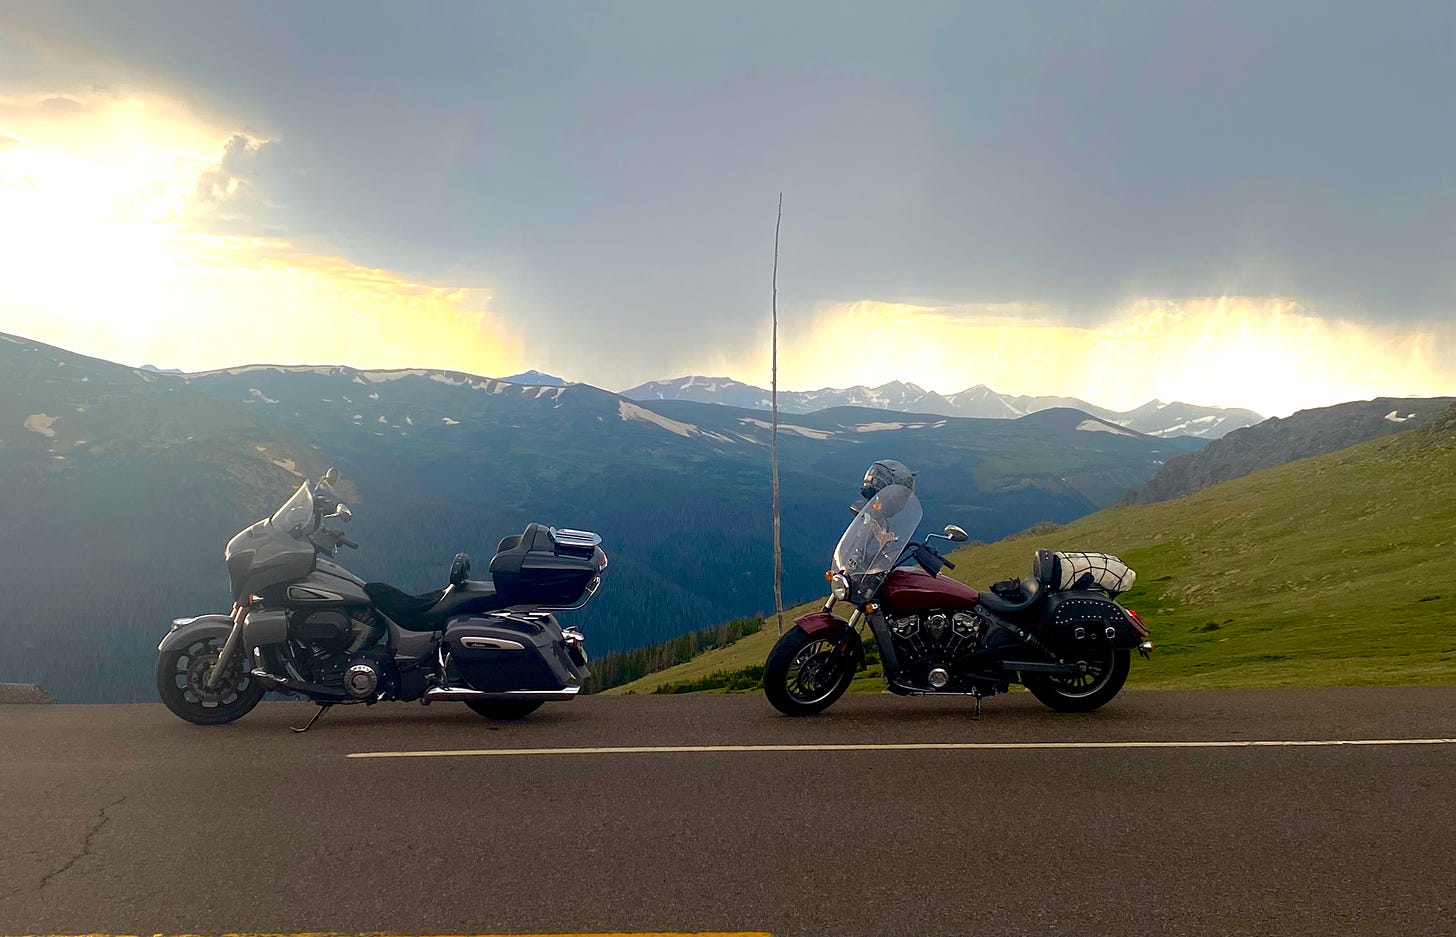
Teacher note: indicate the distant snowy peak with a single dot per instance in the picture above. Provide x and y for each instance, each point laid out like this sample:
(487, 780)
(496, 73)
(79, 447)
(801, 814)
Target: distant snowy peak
(534, 378)
(1154, 418)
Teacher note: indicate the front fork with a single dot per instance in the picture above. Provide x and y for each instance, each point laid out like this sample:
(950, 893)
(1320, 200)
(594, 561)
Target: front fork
(229, 647)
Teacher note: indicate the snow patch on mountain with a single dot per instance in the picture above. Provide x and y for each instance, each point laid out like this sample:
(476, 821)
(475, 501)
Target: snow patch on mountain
(41, 423)
(630, 411)
(805, 431)
(259, 396)
(1097, 426)
(1395, 417)
(883, 427)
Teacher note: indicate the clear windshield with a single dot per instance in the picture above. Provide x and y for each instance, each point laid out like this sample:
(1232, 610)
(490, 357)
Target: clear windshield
(878, 535)
(296, 512)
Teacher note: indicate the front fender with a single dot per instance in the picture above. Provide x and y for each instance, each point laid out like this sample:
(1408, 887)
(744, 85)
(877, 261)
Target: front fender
(827, 625)
(186, 630)
(820, 621)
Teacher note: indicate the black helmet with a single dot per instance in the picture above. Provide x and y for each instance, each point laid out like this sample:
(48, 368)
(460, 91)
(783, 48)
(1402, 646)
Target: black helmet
(886, 472)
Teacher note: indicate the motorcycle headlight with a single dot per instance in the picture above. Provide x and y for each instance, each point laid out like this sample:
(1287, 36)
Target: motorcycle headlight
(839, 587)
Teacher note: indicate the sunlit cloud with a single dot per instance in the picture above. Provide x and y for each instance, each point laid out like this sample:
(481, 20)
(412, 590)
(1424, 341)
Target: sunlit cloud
(113, 219)
(1269, 354)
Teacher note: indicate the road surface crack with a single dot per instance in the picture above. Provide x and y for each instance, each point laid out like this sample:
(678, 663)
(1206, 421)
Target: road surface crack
(101, 820)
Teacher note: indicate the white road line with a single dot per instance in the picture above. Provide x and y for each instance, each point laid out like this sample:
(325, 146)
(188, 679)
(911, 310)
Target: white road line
(897, 747)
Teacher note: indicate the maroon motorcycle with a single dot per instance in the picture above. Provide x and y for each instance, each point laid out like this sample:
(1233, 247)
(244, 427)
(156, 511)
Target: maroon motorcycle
(1060, 632)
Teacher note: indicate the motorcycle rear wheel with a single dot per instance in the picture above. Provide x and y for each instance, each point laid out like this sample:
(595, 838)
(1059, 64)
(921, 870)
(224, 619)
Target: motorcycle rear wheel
(1086, 692)
(804, 675)
(181, 684)
(508, 710)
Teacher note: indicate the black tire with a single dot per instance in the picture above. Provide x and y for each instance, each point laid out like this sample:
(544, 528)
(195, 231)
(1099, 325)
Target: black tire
(1084, 693)
(804, 675)
(510, 710)
(180, 676)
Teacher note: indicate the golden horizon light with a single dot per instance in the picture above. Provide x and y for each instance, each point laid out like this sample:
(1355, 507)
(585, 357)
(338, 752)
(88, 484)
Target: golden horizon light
(103, 255)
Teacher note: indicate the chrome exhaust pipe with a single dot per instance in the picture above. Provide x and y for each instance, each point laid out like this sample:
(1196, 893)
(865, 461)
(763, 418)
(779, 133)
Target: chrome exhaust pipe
(462, 694)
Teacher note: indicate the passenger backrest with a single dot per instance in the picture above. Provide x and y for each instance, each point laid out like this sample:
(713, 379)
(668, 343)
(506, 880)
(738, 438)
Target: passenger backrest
(1045, 569)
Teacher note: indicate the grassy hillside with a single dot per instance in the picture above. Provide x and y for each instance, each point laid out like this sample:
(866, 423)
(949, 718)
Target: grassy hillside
(1339, 569)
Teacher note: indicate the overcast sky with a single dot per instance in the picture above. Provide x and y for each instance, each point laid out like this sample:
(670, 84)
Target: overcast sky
(1025, 195)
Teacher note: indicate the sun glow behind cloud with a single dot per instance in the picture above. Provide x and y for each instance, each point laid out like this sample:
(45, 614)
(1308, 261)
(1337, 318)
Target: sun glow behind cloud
(1267, 354)
(100, 252)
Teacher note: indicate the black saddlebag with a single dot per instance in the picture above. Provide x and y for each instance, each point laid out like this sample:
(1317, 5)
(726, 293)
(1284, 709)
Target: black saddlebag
(533, 569)
(1074, 617)
(498, 653)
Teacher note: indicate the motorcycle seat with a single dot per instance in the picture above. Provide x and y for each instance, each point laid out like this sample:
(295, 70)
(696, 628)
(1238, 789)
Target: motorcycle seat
(401, 607)
(1032, 592)
(1045, 569)
(430, 610)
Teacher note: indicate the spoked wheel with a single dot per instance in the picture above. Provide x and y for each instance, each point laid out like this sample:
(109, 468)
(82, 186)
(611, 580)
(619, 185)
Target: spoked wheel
(805, 673)
(182, 684)
(1083, 692)
(504, 710)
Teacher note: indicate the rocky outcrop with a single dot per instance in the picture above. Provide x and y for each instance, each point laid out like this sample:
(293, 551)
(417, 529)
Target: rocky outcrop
(23, 693)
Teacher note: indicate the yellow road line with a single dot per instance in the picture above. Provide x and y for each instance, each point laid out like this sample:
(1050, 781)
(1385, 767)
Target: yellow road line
(899, 747)
(329, 934)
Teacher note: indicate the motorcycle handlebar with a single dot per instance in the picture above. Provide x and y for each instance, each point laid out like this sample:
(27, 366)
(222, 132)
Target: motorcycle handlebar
(345, 541)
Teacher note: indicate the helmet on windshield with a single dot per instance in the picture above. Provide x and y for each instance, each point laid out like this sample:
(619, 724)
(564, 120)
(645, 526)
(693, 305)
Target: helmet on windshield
(886, 472)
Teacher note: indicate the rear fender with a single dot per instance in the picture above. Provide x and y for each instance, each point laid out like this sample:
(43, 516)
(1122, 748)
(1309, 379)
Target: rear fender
(186, 630)
(827, 625)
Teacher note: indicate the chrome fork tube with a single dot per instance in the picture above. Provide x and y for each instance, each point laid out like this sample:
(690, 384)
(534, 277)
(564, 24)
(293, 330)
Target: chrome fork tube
(229, 648)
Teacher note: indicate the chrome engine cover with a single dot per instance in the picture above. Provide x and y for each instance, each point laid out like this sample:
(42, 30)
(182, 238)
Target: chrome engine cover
(362, 679)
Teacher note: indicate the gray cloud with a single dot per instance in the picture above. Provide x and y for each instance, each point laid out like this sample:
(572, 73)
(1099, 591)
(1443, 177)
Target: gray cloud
(611, 169)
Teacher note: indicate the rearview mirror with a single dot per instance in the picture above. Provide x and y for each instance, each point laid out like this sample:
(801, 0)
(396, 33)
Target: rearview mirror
(342, 512)
(330, 477)
(955, 534)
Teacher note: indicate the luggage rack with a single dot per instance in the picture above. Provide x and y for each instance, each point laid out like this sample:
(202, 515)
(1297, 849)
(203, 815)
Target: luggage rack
(567, 537)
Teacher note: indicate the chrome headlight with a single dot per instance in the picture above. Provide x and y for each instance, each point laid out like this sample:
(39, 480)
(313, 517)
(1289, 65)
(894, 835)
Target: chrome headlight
(839, 587)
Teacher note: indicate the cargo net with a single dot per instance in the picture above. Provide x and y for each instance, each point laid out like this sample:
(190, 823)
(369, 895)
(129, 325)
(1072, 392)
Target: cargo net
(1094, 571)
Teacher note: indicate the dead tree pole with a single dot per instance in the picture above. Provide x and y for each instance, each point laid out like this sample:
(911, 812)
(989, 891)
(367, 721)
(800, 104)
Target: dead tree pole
(774, 437)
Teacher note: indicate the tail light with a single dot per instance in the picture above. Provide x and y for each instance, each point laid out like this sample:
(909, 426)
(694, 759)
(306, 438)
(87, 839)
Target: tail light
(1137, 622)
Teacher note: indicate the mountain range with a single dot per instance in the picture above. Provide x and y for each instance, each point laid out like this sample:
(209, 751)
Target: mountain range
(122, 486)
(1277, 441)
(1154, 418)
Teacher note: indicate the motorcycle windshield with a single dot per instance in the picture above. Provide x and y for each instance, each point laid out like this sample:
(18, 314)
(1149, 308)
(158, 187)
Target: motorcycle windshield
(297, 511)
(878, 535)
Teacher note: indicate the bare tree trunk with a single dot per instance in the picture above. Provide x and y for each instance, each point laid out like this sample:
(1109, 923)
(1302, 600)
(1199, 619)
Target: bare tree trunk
(774, 439)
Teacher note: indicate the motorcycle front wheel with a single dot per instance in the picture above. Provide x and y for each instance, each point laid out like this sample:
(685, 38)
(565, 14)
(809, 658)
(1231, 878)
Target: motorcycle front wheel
(1082, 693)
(805, 674)
(182, 684)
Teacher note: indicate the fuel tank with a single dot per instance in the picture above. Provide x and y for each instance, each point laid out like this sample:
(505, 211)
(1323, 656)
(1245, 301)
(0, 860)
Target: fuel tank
(325, 586)
(914, 591)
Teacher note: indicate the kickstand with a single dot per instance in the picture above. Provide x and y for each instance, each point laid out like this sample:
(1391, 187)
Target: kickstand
(977, 716)
(323, 708)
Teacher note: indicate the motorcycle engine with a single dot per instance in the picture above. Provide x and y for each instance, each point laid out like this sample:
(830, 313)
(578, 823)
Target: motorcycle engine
(934, 641)
(326, 646)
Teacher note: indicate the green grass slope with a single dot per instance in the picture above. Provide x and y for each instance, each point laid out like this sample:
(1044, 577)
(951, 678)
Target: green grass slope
(1334, 570)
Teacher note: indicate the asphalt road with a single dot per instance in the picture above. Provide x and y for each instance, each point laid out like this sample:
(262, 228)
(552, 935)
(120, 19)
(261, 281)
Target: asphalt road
(122, 819)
